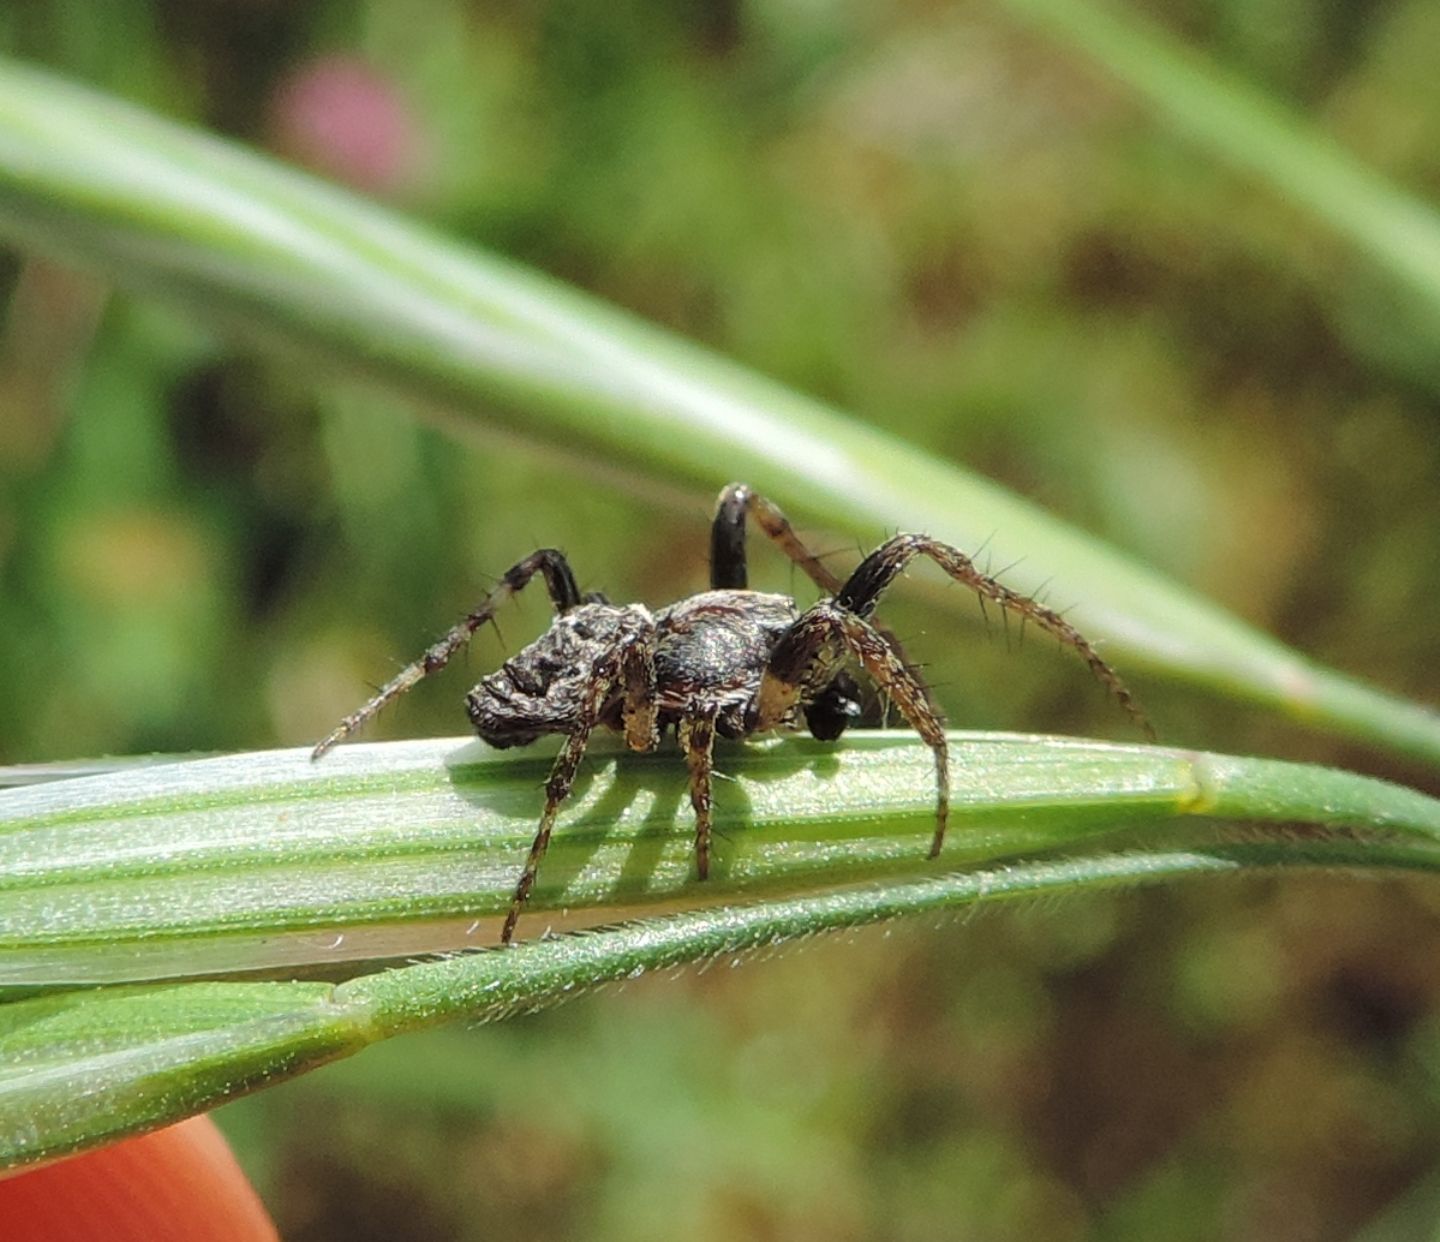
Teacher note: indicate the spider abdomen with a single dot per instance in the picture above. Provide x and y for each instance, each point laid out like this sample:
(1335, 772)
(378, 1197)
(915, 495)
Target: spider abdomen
(714, 647)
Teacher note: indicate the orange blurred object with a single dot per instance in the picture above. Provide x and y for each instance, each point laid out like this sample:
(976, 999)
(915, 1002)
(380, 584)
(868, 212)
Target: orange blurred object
(178, 1183)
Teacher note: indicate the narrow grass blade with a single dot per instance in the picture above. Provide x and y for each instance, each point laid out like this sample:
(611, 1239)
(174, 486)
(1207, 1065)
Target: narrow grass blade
(248, 245)
(82, 1068)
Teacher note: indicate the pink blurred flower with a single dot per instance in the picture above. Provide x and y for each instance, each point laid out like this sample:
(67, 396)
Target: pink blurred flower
(339, 117)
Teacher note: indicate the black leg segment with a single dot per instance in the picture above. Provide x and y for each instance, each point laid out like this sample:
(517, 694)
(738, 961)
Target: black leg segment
(727, 540)
(876, 572)
(559, 577)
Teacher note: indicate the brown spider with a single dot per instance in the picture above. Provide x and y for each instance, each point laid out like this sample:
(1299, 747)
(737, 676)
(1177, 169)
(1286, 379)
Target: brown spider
(730, 661)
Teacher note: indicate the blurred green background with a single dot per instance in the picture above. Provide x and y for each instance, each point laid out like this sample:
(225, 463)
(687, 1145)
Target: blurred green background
(937, 219)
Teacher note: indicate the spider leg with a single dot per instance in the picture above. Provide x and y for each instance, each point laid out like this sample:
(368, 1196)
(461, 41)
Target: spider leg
(728, 571)
(564, 594)
(877, 571)
(640, 712)
(557, 789)
(727, 540)
(820, 638)
(697, 739)
(614, 672)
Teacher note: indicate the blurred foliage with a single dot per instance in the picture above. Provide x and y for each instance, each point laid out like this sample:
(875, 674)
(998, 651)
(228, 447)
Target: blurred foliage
(932, 217)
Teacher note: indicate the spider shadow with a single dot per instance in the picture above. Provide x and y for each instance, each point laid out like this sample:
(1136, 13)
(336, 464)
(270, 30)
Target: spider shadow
(660, 779)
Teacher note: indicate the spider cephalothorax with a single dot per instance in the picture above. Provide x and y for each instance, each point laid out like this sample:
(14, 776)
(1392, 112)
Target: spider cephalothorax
(730, 661)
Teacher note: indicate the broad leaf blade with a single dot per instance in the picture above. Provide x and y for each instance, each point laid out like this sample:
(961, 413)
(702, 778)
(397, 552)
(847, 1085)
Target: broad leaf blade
(267, 860)
(381, 833)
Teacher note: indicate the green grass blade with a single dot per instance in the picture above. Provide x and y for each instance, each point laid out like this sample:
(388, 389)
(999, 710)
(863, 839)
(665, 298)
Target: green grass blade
(15, 775)
(269, 861)
(83, 1068)
(79, 1068)
(249, 245)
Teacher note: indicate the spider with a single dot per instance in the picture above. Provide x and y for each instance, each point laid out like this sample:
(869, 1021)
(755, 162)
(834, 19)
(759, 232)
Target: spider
(729, 661)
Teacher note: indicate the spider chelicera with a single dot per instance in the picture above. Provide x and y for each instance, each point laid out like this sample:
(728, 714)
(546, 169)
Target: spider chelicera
(729, 661)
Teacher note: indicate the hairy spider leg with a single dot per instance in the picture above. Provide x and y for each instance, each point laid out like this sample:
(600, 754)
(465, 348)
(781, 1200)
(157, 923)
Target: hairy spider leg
(877, 571)
(829, 714)
(823, 635)
(727, 540)
(697, 738)
(628, 667)
(564, 594)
